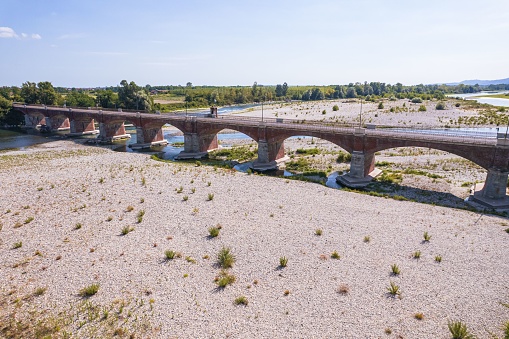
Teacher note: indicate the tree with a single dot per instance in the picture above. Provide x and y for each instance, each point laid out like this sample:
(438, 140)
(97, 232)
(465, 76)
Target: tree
(306, 95)
(189, 84)
(47, 93)
(279, 90)
(131, 96)
(317, 94)
(29, 92)
(79, 99)
(350, 93)
(106, 98)
(285, 89)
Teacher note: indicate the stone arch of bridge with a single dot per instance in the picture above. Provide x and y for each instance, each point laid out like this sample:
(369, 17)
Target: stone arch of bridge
(482, 159)
(249, 131)
(345, 142)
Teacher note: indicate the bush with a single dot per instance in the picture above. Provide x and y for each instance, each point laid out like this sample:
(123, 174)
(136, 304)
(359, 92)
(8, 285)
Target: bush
(416, 100)
(381, 105)
(459, 330)
(283, 261)
(89, 291)
(324, 112)
(224, 279)
(440, 106)
(225, 258)
(335, 108)
(213, 232)
(343, 157)
(422, 108)
(457, 104)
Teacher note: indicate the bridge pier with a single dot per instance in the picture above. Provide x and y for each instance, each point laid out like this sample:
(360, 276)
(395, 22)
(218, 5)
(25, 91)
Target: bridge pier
(57, 123)
(362, 170)
(82, 127)
(148, 137)
(32, 121)
(493, 192)
(268, 155)
(113, 131)
(196, 146)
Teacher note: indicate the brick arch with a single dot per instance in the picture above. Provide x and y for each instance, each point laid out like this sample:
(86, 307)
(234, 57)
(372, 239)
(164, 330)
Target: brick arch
(478, 156)
(343, 141)
(251, 132)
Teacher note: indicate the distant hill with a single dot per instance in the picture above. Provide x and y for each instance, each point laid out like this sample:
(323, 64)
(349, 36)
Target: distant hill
(481, 82)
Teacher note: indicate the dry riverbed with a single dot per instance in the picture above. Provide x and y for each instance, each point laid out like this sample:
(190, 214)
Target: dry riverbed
(74, 216)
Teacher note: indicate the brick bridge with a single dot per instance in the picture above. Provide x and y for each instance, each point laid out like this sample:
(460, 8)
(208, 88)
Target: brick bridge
(200, 136)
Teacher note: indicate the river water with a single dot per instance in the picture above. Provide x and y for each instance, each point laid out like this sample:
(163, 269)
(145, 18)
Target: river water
(484, 100)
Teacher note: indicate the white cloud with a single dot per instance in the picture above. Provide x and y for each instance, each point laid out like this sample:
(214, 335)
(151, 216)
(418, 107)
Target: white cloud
(7, 32)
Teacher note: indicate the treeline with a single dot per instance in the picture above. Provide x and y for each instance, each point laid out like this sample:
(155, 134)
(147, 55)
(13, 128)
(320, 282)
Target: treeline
(131, 96)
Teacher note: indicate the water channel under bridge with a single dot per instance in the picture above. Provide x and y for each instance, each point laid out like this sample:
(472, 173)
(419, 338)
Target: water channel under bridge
(200, 136)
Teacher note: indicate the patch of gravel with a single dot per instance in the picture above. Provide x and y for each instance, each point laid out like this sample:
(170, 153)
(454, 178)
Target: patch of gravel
(262, 218)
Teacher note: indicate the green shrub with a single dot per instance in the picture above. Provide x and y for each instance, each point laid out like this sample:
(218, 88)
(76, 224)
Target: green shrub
(427, 237)
(89, 291)
(457, 104)
(210, 196)
(335, 255)
(126, 230)
(395, 269)
(307, 151)
(224, 279)
(242, 300)
(416, 100)
(213, 232)
(440, 106)
(17, 244)
(318, 232)
(459, 330)
(283, 261)
(324, 112)
(170, 255)
(225, 258)
(422, 108)
(343, 157)
(335, 108)
(381, 105)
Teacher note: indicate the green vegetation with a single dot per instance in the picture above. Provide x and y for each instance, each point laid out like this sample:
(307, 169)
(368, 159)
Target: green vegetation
(242, 300)
(170, 255)
(343, 157)
(440, 106)
(210, 196)
(283, 261)
(426, 237)
(224, 279)
(89, 291)
(335, 108)
(395, 269)
(459, 330)
(241, 153)
(29, 220)
(422, 108)
(417, 254)
(307, 151)
(17, 244)
(213, 232)
(318, 232)
(225, 258)
(438, 258)
(126, 230)
(335, 255)
(393, 289)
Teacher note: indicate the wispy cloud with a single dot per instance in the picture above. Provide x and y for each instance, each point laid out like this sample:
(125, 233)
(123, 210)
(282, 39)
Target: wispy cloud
(9, 33)
(106, 53)
(72, 36)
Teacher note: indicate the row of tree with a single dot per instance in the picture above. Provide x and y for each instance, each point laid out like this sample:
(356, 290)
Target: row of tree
(129, 95)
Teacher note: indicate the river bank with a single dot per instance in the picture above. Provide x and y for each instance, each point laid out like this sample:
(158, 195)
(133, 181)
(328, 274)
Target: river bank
(61, 185)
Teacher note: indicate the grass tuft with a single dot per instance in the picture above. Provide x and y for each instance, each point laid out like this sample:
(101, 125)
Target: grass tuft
(393, 289)
(126, 230)
(89, 291)
(427, 237)
(170, 255)
(459, 330)
(242, 300)
(318, 232)
(335, 255)
(224, 279)
(283, 261)
(225, 258)
(214, 232)
(395, 269)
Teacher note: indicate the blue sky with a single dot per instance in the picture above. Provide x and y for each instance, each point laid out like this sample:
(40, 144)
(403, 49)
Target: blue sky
(99, 43)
